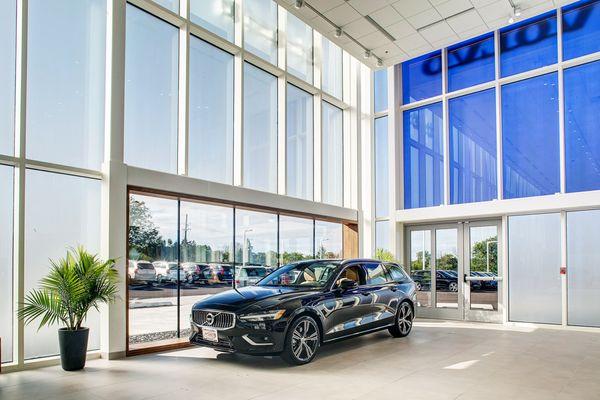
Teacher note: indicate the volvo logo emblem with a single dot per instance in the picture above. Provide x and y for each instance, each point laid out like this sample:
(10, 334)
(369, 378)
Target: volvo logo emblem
(210, 319)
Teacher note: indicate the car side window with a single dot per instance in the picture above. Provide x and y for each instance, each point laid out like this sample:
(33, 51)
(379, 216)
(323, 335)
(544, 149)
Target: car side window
(396, 272)
(376, 274)
(352, 272)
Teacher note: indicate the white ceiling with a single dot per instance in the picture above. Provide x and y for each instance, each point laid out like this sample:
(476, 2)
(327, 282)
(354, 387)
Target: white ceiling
(418, 26)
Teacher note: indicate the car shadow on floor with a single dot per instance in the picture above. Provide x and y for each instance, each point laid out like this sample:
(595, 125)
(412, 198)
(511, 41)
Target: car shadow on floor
(328, 350)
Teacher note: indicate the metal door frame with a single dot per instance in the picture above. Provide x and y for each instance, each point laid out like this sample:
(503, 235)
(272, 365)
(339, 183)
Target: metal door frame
(462, 312)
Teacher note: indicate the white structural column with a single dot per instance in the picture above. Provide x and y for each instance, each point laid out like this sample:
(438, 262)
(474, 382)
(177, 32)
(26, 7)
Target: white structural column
(238, 97)
(317, 117)
(365, 172)
(349, 93)
(281, 103)
(114, 184)
(19, 187)
(395, 160)
(183, 134)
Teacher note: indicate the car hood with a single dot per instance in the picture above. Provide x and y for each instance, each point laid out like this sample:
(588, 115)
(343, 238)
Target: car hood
(239, 299)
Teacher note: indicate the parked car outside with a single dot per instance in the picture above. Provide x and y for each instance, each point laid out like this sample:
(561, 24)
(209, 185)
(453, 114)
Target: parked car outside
(173, 276)
(200, 273)
(249, 275)
(141, 271)
(162, 270)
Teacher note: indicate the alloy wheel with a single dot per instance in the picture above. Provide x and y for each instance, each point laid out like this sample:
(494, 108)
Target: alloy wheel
(305, 340)
(405, 318)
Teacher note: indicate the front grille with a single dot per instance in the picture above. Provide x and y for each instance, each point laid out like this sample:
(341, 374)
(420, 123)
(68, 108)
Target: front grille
(213, 319)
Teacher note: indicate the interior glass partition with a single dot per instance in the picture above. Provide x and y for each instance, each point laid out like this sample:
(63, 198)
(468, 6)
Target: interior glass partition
(181, 250)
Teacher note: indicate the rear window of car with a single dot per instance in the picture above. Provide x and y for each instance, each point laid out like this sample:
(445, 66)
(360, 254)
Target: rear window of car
(376, 274)
(145, 265)
(396, 272)
(256, 272)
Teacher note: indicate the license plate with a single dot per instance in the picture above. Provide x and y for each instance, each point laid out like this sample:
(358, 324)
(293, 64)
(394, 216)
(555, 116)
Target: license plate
(210, 334)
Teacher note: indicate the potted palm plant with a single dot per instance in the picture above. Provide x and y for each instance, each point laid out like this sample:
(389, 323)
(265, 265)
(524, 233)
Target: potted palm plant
(75, 284)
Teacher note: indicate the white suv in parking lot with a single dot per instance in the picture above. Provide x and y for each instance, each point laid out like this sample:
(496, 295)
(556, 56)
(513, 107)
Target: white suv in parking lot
(141, 271)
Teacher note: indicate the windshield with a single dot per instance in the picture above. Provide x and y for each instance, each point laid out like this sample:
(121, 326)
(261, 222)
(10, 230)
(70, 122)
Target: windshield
(314, 274)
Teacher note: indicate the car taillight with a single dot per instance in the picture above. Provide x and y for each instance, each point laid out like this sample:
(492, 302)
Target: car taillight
(135, 271)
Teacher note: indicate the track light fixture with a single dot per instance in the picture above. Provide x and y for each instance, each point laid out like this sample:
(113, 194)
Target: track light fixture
(516, 12)
(298, 4)
(338, 32)
(367, 54)
(379, 62)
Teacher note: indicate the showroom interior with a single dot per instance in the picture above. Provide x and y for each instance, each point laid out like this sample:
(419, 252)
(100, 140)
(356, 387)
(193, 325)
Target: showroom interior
(210, 142)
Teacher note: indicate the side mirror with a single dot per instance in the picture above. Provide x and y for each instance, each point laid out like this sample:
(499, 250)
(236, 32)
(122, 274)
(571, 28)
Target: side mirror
(347, 284)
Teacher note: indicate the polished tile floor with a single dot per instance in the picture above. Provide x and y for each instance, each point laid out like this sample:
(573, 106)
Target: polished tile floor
(440, 360)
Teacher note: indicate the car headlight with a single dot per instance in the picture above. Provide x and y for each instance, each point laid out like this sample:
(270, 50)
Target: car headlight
(263, 316)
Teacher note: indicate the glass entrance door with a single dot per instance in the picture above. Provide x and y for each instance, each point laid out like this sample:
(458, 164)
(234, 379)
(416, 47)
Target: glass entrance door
(456, 270)
(482, 280)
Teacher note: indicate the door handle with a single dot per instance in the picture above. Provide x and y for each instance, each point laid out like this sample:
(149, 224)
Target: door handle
(366, 294)
(394, 289)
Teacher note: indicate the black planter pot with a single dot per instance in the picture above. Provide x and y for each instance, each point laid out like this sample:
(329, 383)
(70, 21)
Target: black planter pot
(73, 348)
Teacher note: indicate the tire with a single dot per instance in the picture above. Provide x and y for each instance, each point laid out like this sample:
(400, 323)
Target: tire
(302, 341)
(453, 286)
(404, 320)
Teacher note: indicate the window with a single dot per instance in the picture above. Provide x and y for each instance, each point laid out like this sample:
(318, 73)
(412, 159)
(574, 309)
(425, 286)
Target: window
(583, 258)
(216, 16)
(473, 147)
(65, 82)
(376, 274)
(332, 155)
(210, 113)
(382, 181)
(423, 157)
(206, 233)
(471, 63)
(328, 239)
(206, 254)
(332, 68)
(153, 261)
(172, 5)
(380, 87)
(61, 211)
(300, 147)
(299, 48)
(260, 28)
(296, 239)
(383, 246)
(582, 143)
(396, 272)
(260, 129)
(581, 29)
(151, 92)
(255, 238)
(528, 45)
(6, 262)
(422, 77)
(534, 287)
(530, 139)
(8, 28)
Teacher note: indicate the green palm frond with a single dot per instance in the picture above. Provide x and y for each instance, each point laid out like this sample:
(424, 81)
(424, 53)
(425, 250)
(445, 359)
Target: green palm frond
(72, 287)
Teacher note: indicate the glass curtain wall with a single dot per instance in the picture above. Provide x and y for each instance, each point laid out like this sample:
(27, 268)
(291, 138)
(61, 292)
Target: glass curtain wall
(6, 262)
(210, 154)
(332, 175)
(151, 91)
(300, 143)
(260, 129)
(529, 112)
(61, 211)
(181, 250)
